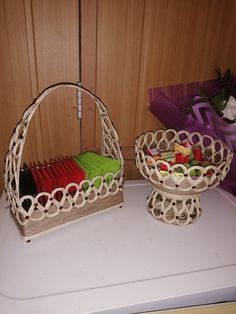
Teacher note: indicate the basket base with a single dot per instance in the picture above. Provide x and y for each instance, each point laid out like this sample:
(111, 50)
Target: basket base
(174, 209)
(36, 228)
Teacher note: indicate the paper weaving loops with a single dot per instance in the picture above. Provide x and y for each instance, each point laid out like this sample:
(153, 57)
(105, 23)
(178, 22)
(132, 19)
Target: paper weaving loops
(55, 212)
(175, 197)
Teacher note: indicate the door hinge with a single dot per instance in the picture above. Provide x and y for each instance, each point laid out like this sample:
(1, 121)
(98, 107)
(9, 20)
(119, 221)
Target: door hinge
(79, 102)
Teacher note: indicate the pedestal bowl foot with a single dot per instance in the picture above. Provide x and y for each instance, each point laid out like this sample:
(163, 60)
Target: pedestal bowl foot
(174, 209)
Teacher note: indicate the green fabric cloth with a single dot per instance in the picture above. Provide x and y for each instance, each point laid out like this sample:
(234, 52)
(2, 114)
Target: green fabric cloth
(97, 165)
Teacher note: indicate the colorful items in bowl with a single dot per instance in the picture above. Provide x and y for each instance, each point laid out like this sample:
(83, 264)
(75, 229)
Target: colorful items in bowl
(180, 166)
(185, 153)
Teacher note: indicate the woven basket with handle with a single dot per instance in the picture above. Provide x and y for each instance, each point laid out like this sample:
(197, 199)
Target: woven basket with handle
(88, 198)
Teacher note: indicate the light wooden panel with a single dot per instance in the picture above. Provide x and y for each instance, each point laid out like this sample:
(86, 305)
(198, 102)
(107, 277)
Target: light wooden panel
(56, 37)
(119, 39)
(223, 308)
(88, 68)
(15, 83)
(39, 47)
(183, 41)
(141, 44)
(130, 45)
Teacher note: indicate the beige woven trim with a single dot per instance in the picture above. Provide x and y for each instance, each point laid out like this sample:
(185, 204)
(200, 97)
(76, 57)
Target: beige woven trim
(109, 147)
(174, 209)
(86, 193)
(175, 197)
(217, 152)
(35, 227)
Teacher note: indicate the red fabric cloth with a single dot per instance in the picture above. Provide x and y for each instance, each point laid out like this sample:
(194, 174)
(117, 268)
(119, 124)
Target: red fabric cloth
(56, 174)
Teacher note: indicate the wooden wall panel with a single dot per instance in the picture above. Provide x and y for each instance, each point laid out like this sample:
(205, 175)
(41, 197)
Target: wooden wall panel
(39, 47)
(129, 46)
(88, 33)
(15, 83)
(147, 43)
(119, 39)
(183, 41)
(217, 308)
(56, 36)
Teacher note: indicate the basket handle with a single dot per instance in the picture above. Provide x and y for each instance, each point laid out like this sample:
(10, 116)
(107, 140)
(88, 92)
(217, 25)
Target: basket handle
(110, 141)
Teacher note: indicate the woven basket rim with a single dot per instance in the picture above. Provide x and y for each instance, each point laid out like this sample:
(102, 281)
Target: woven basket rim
(24, 123)
(151, 132)
(109, 147)
(178, 177)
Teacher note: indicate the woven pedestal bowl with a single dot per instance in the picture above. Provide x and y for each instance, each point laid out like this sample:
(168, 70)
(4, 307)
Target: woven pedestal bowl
(175, 195)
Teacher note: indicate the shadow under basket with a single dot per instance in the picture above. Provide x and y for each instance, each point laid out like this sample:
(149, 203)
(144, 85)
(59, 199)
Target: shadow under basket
(46, 211)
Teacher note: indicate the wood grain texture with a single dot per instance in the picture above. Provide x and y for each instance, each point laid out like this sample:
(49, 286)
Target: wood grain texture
(39, 47)
(183, 41)
(56, 37)
(88, 48)
(127, 47)
(36, 120)
(15, 83)
(222, 308)
(119, 38)
(148, 43)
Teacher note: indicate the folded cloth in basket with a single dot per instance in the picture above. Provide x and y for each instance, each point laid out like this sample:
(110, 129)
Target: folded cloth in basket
(97, 165)
(49, 176)
(72, 169)
(59, 173)
(27, 184)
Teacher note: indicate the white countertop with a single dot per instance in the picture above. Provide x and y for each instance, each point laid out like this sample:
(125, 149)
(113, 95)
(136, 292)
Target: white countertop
(121, 260)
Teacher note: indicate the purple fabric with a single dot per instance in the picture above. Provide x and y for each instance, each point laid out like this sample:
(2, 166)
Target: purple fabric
(205, 122)
(174, 118)
(204, 113)
(183, 94)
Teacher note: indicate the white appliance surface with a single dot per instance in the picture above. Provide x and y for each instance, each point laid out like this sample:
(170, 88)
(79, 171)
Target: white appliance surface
(121, 260)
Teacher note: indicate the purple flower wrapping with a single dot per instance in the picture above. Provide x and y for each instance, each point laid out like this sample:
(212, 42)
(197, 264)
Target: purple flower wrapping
(202, 118)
